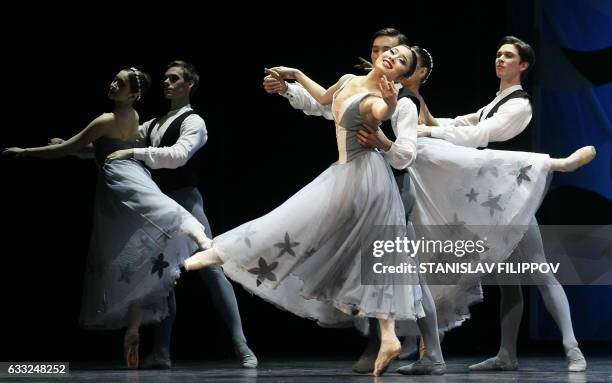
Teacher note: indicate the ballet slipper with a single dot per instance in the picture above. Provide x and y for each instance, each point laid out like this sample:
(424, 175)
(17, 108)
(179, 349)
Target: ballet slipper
(576, 361)
(495, 363)
(423, 367)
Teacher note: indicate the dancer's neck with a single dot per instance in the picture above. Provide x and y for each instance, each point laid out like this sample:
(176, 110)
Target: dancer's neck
(123, 107)
(372, 79)
(505, 84)
(414, 88)
(176, 104)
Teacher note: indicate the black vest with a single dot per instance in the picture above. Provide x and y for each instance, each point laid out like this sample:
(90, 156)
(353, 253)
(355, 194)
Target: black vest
(170, 180)
(388, 129)
(521, 142)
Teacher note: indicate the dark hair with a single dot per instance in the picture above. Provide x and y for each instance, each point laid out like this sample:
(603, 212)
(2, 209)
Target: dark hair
(425, 59)
(364, 64)
(391, 32)
(140, 81)
(525, 52)
(190, 73)
(413, 63)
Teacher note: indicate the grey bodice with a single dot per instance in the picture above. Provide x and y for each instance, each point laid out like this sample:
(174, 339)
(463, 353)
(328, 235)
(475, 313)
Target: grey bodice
(348, 123)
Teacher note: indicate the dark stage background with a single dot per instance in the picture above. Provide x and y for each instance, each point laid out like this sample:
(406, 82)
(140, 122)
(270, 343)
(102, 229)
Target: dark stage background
(57, 68)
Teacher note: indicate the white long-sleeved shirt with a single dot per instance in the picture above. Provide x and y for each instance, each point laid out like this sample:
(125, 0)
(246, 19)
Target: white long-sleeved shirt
(508, 122)
(403, 121)
(192, 137)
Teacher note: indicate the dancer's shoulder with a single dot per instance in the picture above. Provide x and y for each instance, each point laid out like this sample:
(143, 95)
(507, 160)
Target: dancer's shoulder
(104, 121)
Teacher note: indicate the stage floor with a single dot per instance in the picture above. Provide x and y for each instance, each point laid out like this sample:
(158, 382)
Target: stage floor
(531, 369)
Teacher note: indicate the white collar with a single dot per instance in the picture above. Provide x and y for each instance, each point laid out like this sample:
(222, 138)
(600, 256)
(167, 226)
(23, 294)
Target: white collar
(509, 90)
(176, 111)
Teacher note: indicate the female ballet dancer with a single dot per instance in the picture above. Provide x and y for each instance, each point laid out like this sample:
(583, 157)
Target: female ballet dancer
(304, 256)
(140, 236)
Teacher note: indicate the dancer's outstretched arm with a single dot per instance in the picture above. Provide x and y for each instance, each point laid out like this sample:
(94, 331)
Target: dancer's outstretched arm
(96, 129)
(87, 152)
(509, 121)
(298, 97)
(321, 95)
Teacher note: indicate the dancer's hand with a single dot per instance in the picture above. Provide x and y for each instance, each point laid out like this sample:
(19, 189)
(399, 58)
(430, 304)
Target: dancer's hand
(56, 141)
(388, 91)
(423, 131)
(273, 83)
(14, 152)
(123, 154)
(373, 138)
(283, 72)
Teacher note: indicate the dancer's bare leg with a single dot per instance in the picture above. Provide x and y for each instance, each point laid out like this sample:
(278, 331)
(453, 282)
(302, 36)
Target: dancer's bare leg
(131, 337)
(577, 159)
(202, 259)
(390, 346)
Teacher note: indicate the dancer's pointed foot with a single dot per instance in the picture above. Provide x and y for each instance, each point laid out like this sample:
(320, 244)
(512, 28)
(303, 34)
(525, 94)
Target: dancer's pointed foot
(497, 363)
(201, 260)
(577, 159)
(575, 360)
(423, 366)
(131, 340)
(246, 355)
(156, 361)
(388, 352)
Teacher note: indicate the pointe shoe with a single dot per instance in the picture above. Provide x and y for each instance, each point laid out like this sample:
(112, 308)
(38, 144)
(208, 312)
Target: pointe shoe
(200, 260)
(131, 340)
(495, 364)
(577, 159)
(246, 355)
(575, 360)
(388, 352)
(423, 367)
